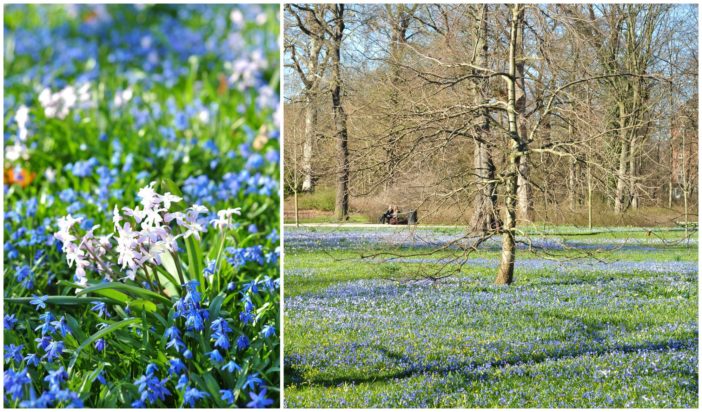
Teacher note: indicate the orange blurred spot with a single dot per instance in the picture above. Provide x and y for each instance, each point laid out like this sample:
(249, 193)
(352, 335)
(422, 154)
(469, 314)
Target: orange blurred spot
(223, 84)
(23, 179)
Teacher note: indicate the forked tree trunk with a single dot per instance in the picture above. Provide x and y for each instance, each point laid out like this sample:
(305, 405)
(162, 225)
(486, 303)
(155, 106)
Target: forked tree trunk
(485, 214)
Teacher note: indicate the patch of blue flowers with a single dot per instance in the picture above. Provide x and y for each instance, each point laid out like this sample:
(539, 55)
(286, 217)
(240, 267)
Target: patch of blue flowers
(100, 101)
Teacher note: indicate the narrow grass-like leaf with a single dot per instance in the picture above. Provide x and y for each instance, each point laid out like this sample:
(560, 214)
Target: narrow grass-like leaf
(98, 335)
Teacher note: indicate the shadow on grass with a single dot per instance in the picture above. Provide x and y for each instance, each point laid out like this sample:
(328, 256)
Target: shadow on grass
(482, 371)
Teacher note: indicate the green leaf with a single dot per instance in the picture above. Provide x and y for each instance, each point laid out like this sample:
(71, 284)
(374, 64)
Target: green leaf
(98, 335)
(216, 305)
(141, 292)
(60, 300)
(141, 304)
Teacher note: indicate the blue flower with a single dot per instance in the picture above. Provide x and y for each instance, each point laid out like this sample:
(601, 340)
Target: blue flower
(231, 366)
(177, 366)
(227, 396)
(100, 308)
(242, 342)
(14, 382)
(38, 301)
(9, 321)
(182, 382)
(192, 395)
(32, 359)
(62, 326)
(209, 267)
(55, 378)
(215, 356)
(251, 381)
(246, 318)
(53, 350)
(13, 352)
(268, 331)
(259, 400)
(100, 345)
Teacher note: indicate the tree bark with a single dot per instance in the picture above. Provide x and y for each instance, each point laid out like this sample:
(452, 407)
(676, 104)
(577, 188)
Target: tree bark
(505, 274)
(620, 194)
(310, 131)
(524, 196)
(485, 214)
(341, 209)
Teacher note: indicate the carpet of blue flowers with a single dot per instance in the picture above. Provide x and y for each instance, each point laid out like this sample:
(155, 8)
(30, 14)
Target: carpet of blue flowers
(363, 328)
(141, 196)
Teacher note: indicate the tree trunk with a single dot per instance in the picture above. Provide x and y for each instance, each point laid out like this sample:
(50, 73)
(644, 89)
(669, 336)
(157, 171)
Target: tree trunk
(399, 25)
(619, 196)
(524, 201)
(485, 214)
(341, 209)
(310, 130)
(505, 274)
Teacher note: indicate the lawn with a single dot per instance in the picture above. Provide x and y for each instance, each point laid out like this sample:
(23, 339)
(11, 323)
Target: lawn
(141, 164)
(363, 328)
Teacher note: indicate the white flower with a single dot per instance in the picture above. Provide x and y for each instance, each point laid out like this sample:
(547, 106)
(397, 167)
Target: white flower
(50, 175)
(121, 98)
(224, 219)
(236, 17)
(168, 198)
(16, 151)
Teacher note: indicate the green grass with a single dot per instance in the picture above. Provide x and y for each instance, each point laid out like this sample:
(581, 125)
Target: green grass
(620, 334)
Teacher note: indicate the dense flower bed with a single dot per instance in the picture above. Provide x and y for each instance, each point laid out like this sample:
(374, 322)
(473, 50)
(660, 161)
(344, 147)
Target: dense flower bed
(141, 206)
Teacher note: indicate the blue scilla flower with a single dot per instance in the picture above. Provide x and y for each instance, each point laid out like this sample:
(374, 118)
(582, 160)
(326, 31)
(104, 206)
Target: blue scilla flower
(215, 356)
(259, 400)
(39, 301)
(100, 345)
(231, 366)
(193, 295)
(246, 318)
(242, 342)
(47, 326)
(172, 333)
(101, 377)
(252, 228)
(231, 286)
(241, 256)
(9, 321)
(62, 326)
(32, 359)
(182, 382)
(13, 353)
(12, 252)
(209, 267)
(227, 396)
(252, 381)
(255, 161)
(138, 404)
(100, 308)
(152, 388)
(248, 304)
(188, 354)
(273, 236)
(55, 378)
(192, 395)
(176, 367)
(267, 331)
(151, 369)
(14, 382)
(43, 342)
(251, 286)
(53, 350)
(31, 207)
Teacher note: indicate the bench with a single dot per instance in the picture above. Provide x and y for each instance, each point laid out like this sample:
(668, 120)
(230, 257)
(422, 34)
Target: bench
(402, 218)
